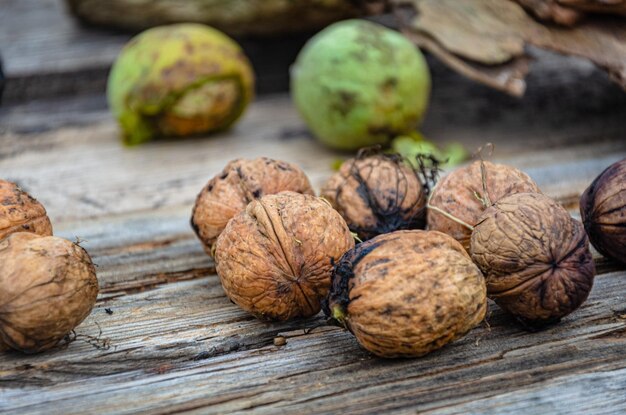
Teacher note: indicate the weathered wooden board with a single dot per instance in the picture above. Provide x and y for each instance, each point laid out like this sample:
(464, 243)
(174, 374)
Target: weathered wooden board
(172, 342)
(82, 172)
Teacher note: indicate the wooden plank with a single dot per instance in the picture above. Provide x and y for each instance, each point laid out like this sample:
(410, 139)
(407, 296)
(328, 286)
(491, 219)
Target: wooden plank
(177, 344)
(82, 172)
(172, 342)
(208, 355)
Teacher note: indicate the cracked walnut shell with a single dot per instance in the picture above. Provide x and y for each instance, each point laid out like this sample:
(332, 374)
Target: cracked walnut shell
(407, 293)
(19, 212)
(241, 182)
(377, 194)
(460, 198)
(48, 286)
(603, 212)
(535, 258)
(274, 259)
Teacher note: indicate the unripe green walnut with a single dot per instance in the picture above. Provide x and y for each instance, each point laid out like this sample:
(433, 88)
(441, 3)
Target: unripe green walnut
(357, 84)
(178, 80)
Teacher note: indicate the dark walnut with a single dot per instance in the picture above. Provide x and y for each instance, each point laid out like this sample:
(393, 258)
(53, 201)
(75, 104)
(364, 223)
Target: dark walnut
(603, 211)
(274, 259)
(47, 287)
(535, 258)
(377, 194)
(238, 184)
(19, 212)
(461, 197)
(407, 293)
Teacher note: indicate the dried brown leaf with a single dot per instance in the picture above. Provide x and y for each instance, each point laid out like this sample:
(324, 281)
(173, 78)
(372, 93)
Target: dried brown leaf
(486, 40)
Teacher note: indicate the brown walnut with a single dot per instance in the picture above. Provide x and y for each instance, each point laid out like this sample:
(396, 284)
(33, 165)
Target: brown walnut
(603, 211)
(238, 184)
(274, 258)
(461, 197)
(535, 258)
(377, 194)
(19, 212)
(407, 293)
(48, 286)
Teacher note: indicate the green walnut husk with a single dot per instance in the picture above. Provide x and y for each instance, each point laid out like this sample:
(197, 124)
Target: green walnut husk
(358, 84)
(178, 80)
(412, 146)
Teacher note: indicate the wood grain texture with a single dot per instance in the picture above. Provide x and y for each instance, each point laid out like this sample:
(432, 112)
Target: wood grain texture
(164, 338)
(83, 171)
(176, 344)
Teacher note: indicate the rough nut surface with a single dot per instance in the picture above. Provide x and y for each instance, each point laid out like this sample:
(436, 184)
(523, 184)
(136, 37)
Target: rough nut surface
(274, 259)
(377, 194)
(48, 286)
(603, 211)
(238, 184)
(407, 293)
(535, 258)
(19, 212)
(458, 195)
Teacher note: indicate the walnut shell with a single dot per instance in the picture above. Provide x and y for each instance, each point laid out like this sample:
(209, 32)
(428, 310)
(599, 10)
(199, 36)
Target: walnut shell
(274, 259)
(377, 194)
(48, 286)
(238, 184)
(407, 293)
(458, 195)
(535, 258)
(19, 212)
(603, 211)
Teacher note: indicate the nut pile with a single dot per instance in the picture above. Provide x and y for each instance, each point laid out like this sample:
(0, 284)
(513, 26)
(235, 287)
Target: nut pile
(48, 285)
(534, 256)
(282, 253)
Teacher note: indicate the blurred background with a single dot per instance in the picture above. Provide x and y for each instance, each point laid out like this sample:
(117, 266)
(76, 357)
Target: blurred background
(56, 56)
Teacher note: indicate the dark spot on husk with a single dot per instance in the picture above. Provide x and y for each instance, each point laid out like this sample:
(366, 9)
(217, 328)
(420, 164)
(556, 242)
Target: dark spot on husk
(195, 227)
(389, 85)
(391, 217)
(344, 103)
(343, 272)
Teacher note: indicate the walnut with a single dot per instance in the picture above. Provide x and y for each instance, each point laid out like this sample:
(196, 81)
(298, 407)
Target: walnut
(238, 184)
(603, 211)
(47, 287)
(377, 194)
(535, 258)
(459, 198)
(407, 293)
(19, 212)
(274, 258)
